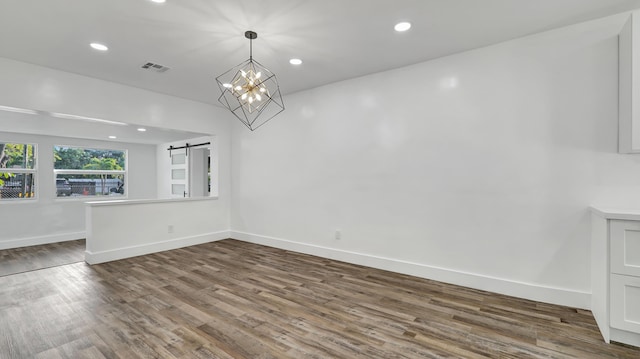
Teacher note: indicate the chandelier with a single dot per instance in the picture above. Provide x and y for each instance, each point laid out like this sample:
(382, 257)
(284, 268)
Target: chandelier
(250, 91)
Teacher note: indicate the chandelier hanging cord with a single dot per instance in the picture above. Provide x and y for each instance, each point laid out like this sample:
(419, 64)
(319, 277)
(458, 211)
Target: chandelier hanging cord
(251, 35)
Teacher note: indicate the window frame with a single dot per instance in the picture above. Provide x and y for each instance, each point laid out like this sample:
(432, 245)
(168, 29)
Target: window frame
(124, 172)
(33, 171)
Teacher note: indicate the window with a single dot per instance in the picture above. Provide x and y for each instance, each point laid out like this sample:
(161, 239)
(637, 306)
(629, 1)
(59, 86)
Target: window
(82, 172)
(17, 171)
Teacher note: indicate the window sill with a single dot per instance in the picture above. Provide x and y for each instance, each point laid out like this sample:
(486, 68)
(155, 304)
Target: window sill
(88, 198)
(18, 201)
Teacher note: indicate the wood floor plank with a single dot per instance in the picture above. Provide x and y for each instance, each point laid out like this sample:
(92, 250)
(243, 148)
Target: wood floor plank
(25, 259)
(231, 299)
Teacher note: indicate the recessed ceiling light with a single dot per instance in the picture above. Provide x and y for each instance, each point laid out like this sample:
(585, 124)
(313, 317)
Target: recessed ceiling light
(158, 1)
(142, 129)
(295, 61)
(402, 26)
(98, 46)
(113, 137)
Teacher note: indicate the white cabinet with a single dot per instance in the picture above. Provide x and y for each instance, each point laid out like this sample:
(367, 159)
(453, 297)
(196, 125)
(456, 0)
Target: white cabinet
(615, 274)
(625, 302)
(625, 247)
(624, 286)
(629, 86)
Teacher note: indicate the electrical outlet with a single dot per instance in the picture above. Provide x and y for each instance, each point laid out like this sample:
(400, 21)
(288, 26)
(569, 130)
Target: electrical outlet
(338, 235)
(170, 228)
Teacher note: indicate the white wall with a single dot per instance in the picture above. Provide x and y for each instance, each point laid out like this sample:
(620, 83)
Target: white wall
(49, 219)
(476, 169)
(39, 88)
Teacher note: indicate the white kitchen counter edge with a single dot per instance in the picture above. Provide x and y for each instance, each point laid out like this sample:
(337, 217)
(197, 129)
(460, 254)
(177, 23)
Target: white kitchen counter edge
(147, 201)
(616, 213)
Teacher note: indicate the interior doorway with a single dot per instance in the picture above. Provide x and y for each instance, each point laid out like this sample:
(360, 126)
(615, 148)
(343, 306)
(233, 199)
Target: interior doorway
(191, 173)
(200, 176)
(179, 175)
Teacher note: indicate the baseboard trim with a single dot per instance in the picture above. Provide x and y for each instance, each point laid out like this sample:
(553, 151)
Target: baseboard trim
(139, 250)
(625, 337)
(34, 241)
(536, 292)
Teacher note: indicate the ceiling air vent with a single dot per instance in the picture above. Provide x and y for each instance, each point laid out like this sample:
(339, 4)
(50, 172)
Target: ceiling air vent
(155, 67)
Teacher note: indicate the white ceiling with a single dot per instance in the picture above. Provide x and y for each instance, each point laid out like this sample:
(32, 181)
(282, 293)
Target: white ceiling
(201, 39)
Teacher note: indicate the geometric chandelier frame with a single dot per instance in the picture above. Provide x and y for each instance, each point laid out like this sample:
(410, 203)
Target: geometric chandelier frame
(250, 90)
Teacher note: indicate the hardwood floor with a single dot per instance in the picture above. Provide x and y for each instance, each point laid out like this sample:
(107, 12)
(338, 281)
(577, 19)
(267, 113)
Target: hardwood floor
(231, 299)
(25, 259)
